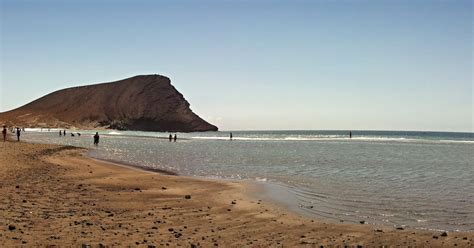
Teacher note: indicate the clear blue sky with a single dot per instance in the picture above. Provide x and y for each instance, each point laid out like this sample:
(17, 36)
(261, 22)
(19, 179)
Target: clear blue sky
(390, 65)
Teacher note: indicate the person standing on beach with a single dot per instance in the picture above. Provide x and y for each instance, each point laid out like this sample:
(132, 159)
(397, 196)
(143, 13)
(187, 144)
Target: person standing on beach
(350, 134)
(175, 137)
(60, 133)
(64, 132)
(231, 136)
(171, 137)
(96, 138)
(18, 131)
(4, 133)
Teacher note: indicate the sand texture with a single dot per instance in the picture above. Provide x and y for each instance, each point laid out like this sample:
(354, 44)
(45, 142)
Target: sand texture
(54, 195)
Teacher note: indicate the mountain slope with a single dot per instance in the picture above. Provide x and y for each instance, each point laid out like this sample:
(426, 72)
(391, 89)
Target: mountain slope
(145, 103)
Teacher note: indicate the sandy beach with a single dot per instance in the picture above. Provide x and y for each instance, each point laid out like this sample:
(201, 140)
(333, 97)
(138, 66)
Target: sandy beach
(56, 196)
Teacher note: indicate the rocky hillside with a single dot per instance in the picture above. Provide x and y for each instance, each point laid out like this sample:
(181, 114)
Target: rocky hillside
(145, 103)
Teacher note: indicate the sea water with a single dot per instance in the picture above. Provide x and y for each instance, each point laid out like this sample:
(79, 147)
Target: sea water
(414, 179)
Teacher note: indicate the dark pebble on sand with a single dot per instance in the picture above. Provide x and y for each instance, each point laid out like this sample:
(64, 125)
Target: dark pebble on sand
(187, 197)
(444, 234)
(11, 227)
(17, 186)
(233, 202)
(400, 228)
(435, 237)
(163, 188)
(378, 230)
(170, 229)
(137, 189)
(362, 222)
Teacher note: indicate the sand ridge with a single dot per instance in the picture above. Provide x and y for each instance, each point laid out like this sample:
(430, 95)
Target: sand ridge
(54, 195)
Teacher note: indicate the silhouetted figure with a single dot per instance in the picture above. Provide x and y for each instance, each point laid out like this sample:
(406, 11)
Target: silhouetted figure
(350, 134)
(175, 138)
(171, 137)
(231, 136)
(96, 138)
(64, 132)
(60, 133)
(18, 133)
(4, 133)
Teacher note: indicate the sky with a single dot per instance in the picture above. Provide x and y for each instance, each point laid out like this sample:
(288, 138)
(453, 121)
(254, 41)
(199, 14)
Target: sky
(256, 65)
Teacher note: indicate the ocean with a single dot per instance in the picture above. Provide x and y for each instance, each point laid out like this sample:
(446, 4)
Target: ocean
(422, 180)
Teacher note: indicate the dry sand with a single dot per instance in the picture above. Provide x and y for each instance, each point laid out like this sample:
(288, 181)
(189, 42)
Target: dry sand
(53, 195)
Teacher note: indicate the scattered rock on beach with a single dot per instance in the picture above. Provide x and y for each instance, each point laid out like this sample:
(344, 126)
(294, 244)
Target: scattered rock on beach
(444, 234)
(187, 197)
(362, 222)
(11, 227)
(400, 228)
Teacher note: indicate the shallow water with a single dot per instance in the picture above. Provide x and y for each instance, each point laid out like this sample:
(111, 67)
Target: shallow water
(416, 179)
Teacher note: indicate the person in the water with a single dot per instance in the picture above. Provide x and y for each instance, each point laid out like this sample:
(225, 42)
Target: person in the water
(96, 138)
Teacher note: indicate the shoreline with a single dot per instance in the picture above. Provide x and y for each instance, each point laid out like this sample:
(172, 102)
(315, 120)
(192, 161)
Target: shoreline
(53, 194)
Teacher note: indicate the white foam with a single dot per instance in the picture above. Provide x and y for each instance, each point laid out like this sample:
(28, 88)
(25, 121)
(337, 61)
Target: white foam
(258, 179)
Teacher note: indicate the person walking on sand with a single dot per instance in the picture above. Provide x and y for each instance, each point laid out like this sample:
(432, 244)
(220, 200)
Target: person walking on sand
(350, 134)
(231, 136)
(96, 138)
(64, 132)
(171, 137)
(60, 133)
(175, 137)
(18, 131)
(4, 133)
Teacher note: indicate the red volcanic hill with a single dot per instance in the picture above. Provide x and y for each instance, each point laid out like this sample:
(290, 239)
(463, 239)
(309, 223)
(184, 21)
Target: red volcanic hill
(145, 103)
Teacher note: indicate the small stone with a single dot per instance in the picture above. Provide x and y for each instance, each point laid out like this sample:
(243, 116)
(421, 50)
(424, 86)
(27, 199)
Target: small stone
(444, 234)
(362, 222)
(187, 197)
(137, 189)
(11, 227)
(17, 186)
(400, 228)
(435, 237)
(163, 188)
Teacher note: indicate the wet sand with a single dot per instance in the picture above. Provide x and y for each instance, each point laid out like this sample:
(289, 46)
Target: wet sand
(54, 195)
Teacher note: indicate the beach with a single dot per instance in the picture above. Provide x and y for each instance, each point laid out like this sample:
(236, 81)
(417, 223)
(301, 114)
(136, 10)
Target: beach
(54, 195)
